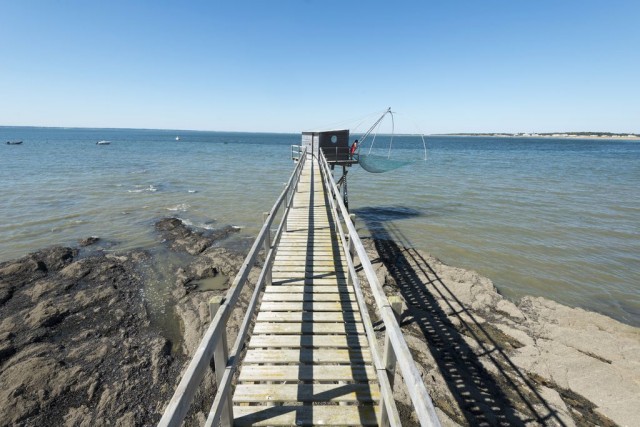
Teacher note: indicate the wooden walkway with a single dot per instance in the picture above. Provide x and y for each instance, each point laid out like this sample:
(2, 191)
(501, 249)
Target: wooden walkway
(308, 361)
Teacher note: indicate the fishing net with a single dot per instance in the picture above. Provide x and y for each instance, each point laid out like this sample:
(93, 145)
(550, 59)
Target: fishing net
(379, 164)
(380, 161)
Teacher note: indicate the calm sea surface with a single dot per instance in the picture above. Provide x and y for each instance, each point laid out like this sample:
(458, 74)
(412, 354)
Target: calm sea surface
(553, 218)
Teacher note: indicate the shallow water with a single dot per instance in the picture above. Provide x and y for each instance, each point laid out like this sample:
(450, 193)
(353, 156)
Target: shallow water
(554, 218)
(215, 283)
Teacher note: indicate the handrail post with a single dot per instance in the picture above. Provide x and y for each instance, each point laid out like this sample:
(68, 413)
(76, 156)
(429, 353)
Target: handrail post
(389, 358)
(267, 248)
(220, 357)
(351, 246)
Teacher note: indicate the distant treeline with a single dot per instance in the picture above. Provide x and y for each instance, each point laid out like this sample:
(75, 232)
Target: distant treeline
(588, 133)
(601, 134)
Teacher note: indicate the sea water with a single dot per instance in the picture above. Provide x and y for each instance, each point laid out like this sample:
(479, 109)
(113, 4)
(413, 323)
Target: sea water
(558, 218)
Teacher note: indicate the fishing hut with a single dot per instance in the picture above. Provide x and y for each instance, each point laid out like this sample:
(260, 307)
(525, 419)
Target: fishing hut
(335, 146)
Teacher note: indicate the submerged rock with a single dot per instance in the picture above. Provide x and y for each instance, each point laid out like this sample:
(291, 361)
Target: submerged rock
(88, 241)
(183, 238)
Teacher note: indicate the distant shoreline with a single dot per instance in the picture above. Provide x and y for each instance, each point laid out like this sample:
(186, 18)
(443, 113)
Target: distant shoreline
(627, 137)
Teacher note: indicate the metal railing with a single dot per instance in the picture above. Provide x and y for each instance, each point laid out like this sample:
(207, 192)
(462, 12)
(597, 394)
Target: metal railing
(396, 350)
(338, 155)
(296, 151)
(214, 342)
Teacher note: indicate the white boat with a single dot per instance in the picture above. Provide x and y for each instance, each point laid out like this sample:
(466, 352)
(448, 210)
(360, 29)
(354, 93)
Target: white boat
(177, 138)
(103, 142)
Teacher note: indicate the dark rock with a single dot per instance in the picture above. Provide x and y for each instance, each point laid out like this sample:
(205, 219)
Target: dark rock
(78, 345)
(56, 258)
(182, 238)
(65, 328)
(6, 292)
(88, 241)
(36, 265)
(6, 348)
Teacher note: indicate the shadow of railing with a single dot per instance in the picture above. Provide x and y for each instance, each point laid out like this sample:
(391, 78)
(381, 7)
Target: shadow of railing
(504, 396)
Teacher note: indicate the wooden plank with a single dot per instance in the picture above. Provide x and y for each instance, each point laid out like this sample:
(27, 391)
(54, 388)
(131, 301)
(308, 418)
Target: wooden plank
(282, 275)
(308, 296)
(322, 306)
(301, 241)
(310, 282)
(314, 341)
(306, 393)
(280, 289)
(303, 256)
(326, 415)
(358, 373)
(328, 241)
(310, 247)
(329, 267)
(307, 235)
(303, 259)
(301, 273)
(308, 355)
(308, 317)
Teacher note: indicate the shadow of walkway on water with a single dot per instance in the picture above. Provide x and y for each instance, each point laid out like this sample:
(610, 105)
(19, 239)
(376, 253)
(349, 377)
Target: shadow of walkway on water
(504, 396)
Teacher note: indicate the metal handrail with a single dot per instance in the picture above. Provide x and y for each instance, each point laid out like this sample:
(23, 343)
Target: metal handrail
(296, 150)
(422, 402)
(179, 404)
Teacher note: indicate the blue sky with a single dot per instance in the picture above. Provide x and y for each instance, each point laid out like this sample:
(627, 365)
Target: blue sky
(287, 66)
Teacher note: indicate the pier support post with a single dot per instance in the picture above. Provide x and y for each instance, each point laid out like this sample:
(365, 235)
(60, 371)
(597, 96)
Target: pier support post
(220, 358)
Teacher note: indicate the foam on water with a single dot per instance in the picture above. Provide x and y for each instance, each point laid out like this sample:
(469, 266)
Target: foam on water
(182, 207)
(141, 189)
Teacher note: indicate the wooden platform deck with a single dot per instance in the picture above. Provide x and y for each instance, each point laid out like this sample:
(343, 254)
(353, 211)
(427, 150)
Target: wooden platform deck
(308, 361)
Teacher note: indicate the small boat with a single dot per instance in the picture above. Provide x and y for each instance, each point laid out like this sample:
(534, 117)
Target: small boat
(103, 142)
(14, 142)
(177, 138)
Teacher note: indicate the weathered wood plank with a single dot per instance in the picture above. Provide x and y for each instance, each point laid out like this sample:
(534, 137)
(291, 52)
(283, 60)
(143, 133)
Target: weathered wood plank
(329, 267)
(308, 328)
(320, 289)
(283, 275)
(308, 317)
(358, 373)
(326, 415)
(314, 341)
(308, 355)
(309, 296)
(300, 261)
(306, 393)
(322, 306)
(318, 281)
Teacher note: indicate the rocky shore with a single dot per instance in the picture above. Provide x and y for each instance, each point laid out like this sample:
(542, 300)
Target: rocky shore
(78, 345)
(489, 361)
